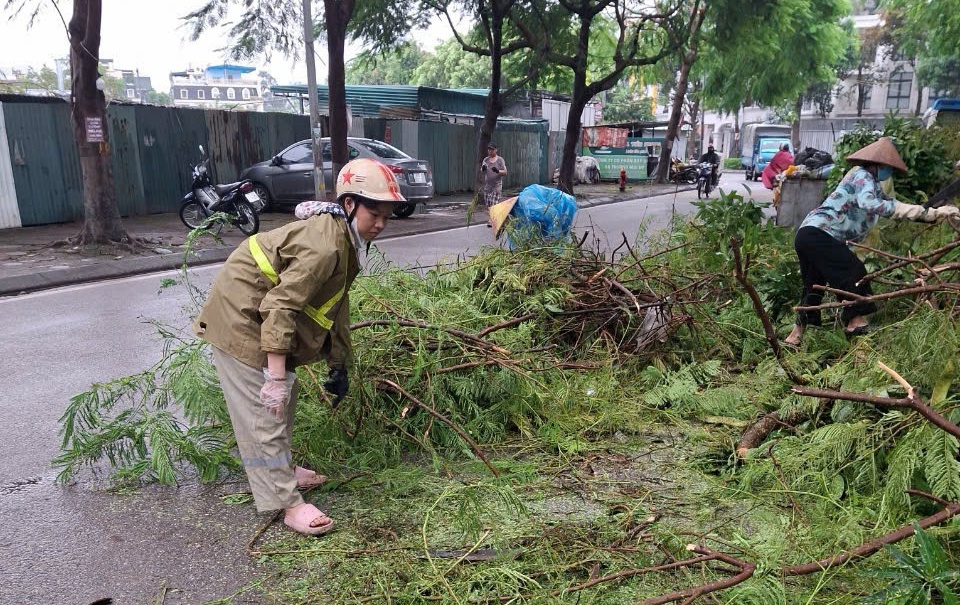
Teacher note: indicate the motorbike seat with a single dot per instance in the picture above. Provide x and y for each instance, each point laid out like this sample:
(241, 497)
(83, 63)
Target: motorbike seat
(225, 189)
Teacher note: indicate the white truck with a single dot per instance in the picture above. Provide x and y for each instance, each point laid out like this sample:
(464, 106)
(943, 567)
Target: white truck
(758, 143)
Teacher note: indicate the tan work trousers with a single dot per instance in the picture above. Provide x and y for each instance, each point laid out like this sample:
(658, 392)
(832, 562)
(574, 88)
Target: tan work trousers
(263, 439)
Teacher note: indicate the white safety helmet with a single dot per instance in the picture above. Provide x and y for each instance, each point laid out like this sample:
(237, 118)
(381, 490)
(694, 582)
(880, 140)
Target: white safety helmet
(368, 181)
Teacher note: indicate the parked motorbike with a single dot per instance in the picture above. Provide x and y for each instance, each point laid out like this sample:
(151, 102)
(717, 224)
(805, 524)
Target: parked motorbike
(704, 179)
(238, 201)
(681, 173)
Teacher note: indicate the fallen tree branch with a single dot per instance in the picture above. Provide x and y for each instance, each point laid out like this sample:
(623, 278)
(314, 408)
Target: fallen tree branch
(506, 324)
(690, 594)
(417, 403)
(758, 432)
(916, 405)
(938, 253)
(409, 323)
(740, 272)
(869, 548)
(884, 296)
(905, 259)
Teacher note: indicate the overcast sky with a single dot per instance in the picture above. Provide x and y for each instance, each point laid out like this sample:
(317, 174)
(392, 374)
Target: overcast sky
(149, 36)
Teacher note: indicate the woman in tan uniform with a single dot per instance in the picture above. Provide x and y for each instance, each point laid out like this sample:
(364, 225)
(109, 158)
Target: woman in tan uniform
(281, 301)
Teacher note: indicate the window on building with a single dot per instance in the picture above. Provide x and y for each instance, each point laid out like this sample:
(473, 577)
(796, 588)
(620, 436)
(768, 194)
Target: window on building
(214, 93)
(231, 94)
(898, 93)
(201, 94)
(246, 93)
(183, 93)
(130, 93)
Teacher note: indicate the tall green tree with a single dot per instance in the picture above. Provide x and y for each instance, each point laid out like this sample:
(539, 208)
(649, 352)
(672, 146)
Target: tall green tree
(770, 52)
(450, 66)
(929, 33)
(88, 111)
(396, 66)
(494, 36)
(267, 26)
(644, 34)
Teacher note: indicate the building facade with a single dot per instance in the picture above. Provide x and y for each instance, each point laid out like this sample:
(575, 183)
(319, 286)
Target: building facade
(884, 82)
(217, 87)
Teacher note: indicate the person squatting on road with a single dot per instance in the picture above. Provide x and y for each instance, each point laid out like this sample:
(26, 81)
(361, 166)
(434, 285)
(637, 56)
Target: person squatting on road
(493, 168)
(850, 212)
(281, 301)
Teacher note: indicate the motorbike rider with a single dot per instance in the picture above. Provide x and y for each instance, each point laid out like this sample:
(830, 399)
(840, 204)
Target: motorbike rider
(712, 157)
(281, 301)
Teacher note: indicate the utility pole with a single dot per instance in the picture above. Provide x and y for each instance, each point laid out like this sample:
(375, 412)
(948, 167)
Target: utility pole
(318, 185)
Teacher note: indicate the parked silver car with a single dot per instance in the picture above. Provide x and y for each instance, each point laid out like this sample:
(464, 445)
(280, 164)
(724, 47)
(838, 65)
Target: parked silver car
(287, 178)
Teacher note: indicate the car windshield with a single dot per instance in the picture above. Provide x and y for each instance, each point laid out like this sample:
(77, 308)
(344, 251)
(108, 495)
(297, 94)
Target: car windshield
(773, 145)
(385, 151)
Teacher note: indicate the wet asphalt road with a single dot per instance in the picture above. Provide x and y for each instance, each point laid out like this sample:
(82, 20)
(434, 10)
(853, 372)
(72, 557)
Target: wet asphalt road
(74, 544)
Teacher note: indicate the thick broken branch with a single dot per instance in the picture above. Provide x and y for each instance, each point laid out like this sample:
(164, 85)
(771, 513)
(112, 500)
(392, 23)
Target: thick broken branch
(869, 548)
(916, 405)
(885, 296)
(689, 594)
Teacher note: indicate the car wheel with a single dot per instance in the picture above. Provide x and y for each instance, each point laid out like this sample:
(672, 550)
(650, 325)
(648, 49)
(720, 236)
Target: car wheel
(404, 210)
(264, 194)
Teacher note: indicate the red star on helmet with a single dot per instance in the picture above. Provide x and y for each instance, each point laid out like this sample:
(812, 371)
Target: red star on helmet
(347, 176)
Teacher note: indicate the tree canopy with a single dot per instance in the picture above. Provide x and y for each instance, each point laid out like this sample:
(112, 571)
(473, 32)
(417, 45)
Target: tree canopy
(928, 32)
(769, 52)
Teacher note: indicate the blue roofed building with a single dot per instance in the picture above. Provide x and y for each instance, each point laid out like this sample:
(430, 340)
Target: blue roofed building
(217, 87)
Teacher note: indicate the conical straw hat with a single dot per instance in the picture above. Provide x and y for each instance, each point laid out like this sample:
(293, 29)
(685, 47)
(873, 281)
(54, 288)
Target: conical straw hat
(879, 152)
(499, 213)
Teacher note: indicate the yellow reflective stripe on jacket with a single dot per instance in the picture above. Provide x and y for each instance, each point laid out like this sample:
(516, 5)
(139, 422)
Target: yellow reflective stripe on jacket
(317, 315)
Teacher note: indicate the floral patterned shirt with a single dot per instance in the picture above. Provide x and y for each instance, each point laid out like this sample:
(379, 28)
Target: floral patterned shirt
(852, 209)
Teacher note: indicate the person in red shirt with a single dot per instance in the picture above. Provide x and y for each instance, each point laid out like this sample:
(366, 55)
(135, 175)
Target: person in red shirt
(781, 160)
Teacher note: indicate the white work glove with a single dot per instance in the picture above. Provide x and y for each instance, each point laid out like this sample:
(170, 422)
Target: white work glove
(275, 393)
(944, 213)
(913, 212)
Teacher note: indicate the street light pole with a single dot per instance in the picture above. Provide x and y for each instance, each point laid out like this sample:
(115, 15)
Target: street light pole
(318, 185)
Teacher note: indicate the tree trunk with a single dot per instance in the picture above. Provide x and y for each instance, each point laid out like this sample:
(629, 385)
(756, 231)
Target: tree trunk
(694, 142)
(578, 101)
(571, 141)
(861, 91)
(676, 112)
(101, 217)
(795, 130)
(493, 106)
(338, 13)
(687, 59)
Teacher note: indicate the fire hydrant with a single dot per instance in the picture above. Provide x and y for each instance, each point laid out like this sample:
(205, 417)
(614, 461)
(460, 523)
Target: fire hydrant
(623, 179)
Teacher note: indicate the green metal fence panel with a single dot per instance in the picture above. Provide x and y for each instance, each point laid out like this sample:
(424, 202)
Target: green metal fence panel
(284, 130)
(125, 160)
(46, 167)
(168, 141)
(451, 151)
(524, 150)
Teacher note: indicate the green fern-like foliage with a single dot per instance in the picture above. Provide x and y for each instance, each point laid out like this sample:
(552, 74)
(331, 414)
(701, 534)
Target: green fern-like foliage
(160, 425)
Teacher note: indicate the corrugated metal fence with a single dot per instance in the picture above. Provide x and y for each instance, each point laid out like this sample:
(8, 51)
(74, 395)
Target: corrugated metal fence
(451, 149)
(153, 149)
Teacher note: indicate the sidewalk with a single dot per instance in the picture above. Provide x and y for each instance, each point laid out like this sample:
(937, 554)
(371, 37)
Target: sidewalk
(29, 261)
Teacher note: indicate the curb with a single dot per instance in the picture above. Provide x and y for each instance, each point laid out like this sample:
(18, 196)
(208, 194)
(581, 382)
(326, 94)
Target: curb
(57, 278)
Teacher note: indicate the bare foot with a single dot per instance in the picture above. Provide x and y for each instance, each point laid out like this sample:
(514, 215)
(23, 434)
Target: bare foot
(793, 339)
